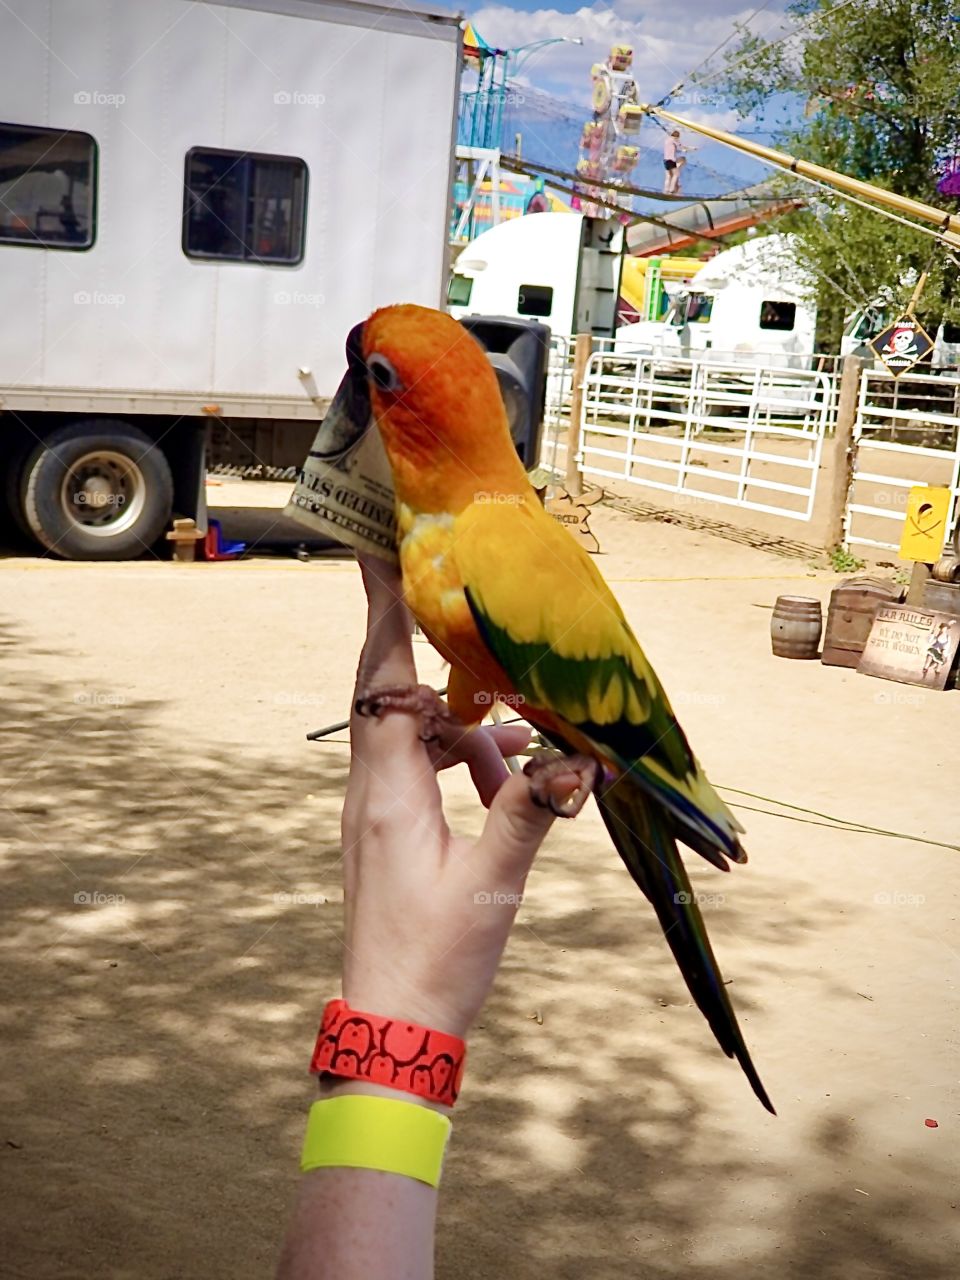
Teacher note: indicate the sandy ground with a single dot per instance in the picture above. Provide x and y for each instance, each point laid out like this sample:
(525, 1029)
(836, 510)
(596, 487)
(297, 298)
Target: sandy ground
(170, 852)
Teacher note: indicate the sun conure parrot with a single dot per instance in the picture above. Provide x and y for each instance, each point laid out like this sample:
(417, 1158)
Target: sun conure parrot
(519, 610)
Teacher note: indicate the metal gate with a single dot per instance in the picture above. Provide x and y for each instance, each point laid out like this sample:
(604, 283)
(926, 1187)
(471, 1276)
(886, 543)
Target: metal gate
(742, 434)
(905, 434)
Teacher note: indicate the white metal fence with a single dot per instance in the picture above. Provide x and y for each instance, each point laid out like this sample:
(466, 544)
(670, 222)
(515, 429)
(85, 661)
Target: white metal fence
(556, 407)
(749, 436)
(906, 433)
(556, 415)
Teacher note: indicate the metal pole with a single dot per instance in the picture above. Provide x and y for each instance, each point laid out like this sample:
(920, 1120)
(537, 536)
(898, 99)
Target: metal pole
(949, 223)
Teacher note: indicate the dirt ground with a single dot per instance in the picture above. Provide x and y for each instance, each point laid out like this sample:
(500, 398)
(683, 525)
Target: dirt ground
(172, 908)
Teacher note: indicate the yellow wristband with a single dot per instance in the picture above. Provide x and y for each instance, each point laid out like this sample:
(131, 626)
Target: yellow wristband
(358, 1131)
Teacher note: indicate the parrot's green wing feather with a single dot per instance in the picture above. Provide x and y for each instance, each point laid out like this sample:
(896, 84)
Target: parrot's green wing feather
(555, 627)
(639, 831)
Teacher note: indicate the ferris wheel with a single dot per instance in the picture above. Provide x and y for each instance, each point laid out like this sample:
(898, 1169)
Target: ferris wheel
(607, 154)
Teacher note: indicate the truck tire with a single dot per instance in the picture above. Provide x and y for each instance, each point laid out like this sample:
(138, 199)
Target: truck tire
(97, 489)
(11, 467)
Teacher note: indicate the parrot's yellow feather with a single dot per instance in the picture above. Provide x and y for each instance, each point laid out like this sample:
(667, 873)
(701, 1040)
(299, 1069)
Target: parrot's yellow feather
(519, 609)
(564, 600)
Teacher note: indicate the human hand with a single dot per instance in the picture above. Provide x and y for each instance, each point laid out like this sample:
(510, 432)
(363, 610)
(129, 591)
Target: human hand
(427, 913)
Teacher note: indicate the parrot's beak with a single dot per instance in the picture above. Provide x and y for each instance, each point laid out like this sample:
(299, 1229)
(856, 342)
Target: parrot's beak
(349, 414)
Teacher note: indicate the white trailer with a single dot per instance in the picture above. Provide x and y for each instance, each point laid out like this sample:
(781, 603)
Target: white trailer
(197, 202)
(562, 269)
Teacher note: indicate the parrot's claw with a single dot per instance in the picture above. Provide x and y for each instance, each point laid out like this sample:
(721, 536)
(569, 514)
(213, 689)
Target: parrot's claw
(549, 770)
(394, 697)
(437, 721)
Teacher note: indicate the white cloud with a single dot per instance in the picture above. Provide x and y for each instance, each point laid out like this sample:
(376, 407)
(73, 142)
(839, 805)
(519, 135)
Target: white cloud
(727, 120)
(668, 41)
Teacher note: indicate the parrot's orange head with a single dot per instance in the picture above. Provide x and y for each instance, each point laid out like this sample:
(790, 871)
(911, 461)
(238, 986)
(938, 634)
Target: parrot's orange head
(436, 400)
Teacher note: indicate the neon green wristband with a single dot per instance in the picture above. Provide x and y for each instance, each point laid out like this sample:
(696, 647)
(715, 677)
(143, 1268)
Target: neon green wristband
(358, 1131)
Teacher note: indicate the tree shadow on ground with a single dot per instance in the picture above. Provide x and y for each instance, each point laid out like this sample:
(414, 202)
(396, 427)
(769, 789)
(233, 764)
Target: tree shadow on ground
(171, 928)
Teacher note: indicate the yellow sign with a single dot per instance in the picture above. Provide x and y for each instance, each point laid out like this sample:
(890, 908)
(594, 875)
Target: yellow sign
(925, 526)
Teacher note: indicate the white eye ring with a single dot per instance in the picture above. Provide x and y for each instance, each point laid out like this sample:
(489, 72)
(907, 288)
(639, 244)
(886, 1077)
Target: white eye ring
(383, 373)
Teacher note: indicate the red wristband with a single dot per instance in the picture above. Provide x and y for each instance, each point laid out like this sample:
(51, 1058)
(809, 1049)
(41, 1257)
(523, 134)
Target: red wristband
(400, 1055)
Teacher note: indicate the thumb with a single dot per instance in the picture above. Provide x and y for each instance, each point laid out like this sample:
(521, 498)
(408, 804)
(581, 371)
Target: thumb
(514, 830)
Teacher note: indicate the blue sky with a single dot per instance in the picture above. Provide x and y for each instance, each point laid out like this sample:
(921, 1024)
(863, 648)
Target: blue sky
(669, 39)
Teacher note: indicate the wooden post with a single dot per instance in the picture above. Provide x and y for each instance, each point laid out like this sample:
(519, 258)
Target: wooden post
(185, 535)
(919, 577)
(581, 354)
(840, 474)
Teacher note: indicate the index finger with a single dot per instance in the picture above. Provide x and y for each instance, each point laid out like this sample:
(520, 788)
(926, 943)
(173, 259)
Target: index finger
(387, 656)
(394, 763)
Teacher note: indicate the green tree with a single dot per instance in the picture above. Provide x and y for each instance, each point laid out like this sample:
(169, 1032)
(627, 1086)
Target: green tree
(876, 92)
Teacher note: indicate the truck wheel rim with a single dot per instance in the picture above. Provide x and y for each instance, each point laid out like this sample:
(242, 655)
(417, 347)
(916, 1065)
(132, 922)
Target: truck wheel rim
(103, 493)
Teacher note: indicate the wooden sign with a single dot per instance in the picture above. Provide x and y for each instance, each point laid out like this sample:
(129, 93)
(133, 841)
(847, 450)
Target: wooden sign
(911, 646)
(573, 513)
(902, 344)
(925, 525)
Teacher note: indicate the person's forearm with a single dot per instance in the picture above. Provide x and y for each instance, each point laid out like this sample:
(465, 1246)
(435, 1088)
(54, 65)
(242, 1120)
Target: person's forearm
(421, 948)
(360, 1224)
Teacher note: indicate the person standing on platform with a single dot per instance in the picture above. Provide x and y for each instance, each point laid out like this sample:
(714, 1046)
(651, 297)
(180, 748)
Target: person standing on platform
(673, 162)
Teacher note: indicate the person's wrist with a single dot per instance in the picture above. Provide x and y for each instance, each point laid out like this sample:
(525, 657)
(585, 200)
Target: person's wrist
(388, 1051)
(421, 1011)
(336, 1087)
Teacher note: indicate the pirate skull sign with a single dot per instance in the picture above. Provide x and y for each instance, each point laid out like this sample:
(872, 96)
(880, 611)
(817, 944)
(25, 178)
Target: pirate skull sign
(902, 345)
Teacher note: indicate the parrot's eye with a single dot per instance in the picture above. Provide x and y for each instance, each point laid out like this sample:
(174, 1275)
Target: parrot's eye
(383, 373)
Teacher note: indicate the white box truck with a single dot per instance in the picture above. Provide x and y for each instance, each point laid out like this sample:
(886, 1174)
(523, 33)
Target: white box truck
(753, 300)
(197, 202)
(562, 269)
(752, 304)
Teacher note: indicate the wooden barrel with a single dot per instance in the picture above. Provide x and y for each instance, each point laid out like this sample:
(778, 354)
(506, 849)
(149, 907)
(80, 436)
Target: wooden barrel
(796, 626)
(946, 569)
(853, 607)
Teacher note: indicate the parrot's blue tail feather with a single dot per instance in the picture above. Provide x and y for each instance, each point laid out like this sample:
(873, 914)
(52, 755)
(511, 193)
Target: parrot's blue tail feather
(643, 834)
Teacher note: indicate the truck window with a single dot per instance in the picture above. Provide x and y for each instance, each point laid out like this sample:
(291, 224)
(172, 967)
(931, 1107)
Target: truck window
(48, 181)
(699, 307)
(868, 324)
(239, 207)
(778, 315)
(534, 300)
(951, 333)
(459, 290)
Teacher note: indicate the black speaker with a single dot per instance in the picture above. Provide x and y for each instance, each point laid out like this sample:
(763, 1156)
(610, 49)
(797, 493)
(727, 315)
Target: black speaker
(519, 351)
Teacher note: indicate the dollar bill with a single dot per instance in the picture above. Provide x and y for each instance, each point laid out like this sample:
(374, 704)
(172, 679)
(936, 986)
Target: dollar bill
(345, 489)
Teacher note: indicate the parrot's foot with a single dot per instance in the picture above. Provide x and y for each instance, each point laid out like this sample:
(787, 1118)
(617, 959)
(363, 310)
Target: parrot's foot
(549, 771)
(437, 722)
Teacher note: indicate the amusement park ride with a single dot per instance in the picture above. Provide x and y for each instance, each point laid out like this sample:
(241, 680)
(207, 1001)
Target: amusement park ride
(949, 184)
(607, 156)
(601, 187)
(602, 190)
(480, 126)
